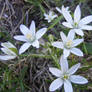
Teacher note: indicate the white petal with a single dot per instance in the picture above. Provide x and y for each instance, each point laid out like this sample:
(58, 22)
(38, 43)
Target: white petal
(63, 64)
(66, 52)
(7, 45)
(77, 14)
(67, 15)
(86, 20)
(40, 33)
(66, 24)
(73, 69)
(24, 47)
(32, 27)
(35, 44)
(24, 29)
(7, 57)
(77, 42)
(55, 72)
(8, 51)
(59, 10)
(79, 32)
(86, 27)
(58, 44)
(49, 20)
(56, 84)
(50, 13)
(68, 86)
(63, 36)
(78, 79)
(54, 16)
(77, 51)
(71, 35)
(20, 38)
(46, 16)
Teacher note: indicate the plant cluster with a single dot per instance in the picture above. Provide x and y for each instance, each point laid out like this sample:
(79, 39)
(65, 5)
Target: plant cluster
(30, 37)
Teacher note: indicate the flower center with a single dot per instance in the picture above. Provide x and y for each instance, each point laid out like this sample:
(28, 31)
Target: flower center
(50, 18)
(76, 25)
(69, 44)
(65, 77)
(30, 37)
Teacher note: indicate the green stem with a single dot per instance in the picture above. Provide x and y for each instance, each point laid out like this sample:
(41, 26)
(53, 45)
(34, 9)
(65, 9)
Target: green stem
(85, 49)
(36, 55)
(55, 22)
(55, 61)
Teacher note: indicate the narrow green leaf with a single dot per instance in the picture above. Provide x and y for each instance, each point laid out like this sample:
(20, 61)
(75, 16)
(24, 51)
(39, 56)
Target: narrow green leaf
(89, 48)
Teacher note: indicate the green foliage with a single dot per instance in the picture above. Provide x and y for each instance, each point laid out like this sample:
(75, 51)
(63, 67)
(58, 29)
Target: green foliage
(10, 81)
(14, 50)
(89, 48)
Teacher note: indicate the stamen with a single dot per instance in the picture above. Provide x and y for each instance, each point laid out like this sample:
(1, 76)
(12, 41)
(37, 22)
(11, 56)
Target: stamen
(68, 44)
(65, 77)
(29, 36)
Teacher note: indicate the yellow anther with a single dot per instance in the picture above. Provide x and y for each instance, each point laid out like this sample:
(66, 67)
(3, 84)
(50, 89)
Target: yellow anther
(69, 43)
(28, 36)
(76, 24)
(65, 77)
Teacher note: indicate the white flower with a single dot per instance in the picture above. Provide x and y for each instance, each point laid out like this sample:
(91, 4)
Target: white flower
(30, 37)
(68, 44)
(66, 76)
(60, 10)
(49, 17)
(10, 50)
(77, 24)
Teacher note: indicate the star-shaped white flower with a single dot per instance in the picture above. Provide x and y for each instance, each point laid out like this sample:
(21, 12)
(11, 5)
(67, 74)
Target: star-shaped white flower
(66, 76)
(49, 17)
(10, 51)
(30, 37)
(78, 24)
(68, 44)
(60, 10)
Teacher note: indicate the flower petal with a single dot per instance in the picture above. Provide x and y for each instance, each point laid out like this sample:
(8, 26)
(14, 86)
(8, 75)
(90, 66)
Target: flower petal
(55, 72)
(66, 52)
(6, 57)
(71, 35)
(35, 44)
(79, 32)
(68, 86)
(54, 16)
(77, 42)
(86, 20)
(32, 28)
(78, 79)
(56, 84)
(86, 27)
(73, 69)
(59, 10)
(7, 45)
(63, 36)
(20, 38)
(24, 29)
(66, 24)
(67, 15)
(63, 64)
(24, 47)
(8, 51)
(40, 33)
(46, 16)
(50, 13)
(77, 51)
(58, 44)
(77, 14)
